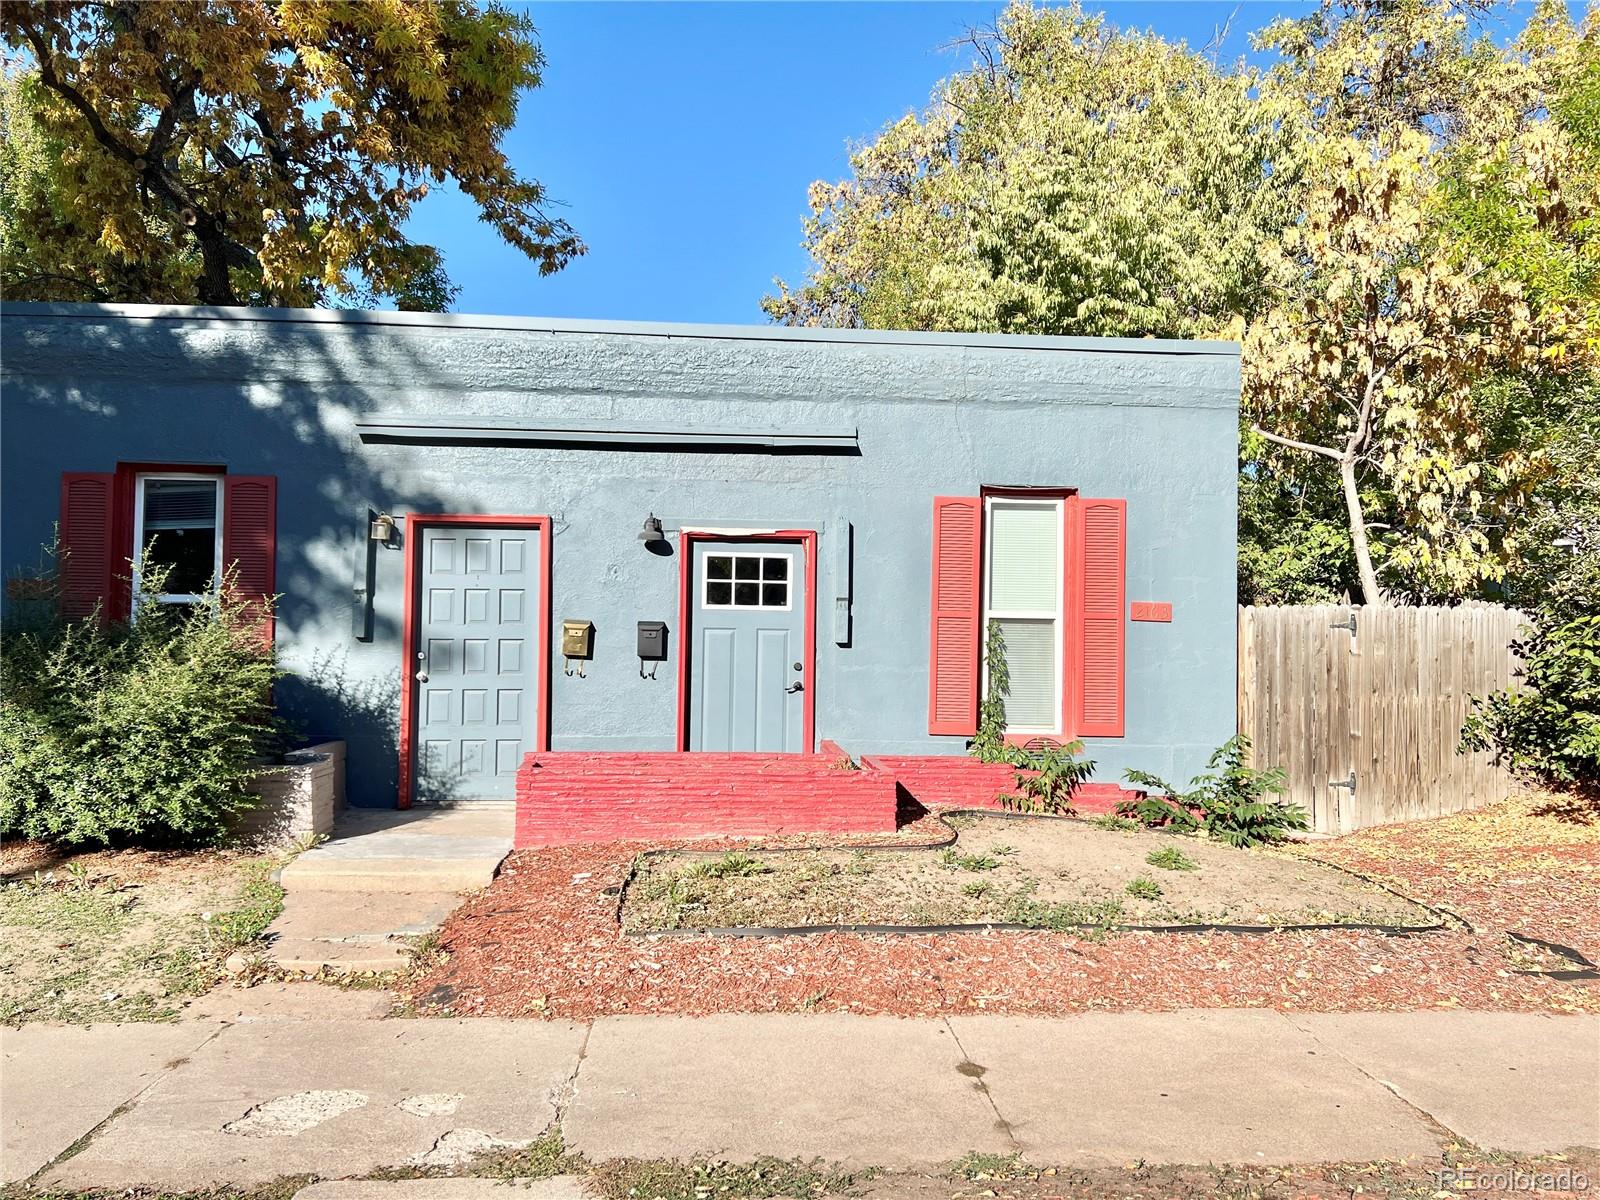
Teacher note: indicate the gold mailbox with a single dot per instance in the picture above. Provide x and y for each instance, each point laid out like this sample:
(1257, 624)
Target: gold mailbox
(577, 638)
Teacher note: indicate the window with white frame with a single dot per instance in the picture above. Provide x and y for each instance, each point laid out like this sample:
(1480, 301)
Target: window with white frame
(746, 580)
(1023, 593)
(177, 535)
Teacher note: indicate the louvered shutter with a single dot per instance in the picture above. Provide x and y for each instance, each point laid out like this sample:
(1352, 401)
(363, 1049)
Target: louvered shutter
(953, 656)
(250, 541)
(86, 543)
(1103, 543)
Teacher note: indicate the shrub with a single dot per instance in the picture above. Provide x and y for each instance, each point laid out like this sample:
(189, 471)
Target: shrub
(1047, 778)
(1232, 801)
(146, 732)
(1549, 728)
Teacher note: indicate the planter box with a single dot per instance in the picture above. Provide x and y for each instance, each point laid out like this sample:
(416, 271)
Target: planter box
(299, 798)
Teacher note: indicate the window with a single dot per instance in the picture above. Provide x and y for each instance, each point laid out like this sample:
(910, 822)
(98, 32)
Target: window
(746, 581)
(178, 530)
(1023, 593)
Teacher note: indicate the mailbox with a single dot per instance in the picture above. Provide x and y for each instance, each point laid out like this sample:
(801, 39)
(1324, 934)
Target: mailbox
(577, 639)
(652, 640)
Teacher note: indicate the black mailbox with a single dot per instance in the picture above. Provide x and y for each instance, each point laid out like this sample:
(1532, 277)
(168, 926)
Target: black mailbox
(652, 640)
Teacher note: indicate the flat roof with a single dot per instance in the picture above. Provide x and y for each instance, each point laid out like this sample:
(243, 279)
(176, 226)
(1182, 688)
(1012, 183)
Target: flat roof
(361, 318)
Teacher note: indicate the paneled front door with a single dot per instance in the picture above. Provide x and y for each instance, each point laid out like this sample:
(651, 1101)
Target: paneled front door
(477, 659)
(747, 654)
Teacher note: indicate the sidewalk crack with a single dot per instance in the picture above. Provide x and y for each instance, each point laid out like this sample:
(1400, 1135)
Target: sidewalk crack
(569, 1086)
(84, 1142)
(975, 1072)
(1438, 1127)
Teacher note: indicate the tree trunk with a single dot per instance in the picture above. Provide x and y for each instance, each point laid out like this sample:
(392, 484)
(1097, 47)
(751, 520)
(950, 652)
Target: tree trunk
(1370, 592)
(215, 285)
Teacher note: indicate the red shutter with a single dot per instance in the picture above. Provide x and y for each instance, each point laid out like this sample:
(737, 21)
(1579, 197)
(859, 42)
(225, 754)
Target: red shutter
(1104, 550)
(85, 543)
(953, 658)
(250, 540)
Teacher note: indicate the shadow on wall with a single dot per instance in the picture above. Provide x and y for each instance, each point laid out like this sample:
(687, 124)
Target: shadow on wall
(83, 394)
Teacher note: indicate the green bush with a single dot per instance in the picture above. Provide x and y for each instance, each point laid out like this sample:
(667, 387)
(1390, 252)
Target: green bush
(1047, 778)
(144, 732)
(1232, 801)
(1549, 728)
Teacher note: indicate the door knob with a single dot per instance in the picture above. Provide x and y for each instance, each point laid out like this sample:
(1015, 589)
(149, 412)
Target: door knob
(796, 686)
(422, 677)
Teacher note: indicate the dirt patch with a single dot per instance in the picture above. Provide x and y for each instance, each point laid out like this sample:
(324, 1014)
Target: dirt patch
(1045, 873)
(122, 935)
(543, 940)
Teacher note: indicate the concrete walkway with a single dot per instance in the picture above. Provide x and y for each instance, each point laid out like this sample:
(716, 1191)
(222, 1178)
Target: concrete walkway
(215, 1101)
(385, 877)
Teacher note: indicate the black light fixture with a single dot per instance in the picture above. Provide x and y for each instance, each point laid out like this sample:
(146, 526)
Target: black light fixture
(654, 537)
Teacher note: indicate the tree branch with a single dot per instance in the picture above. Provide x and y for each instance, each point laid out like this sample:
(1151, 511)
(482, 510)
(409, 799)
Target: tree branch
(1308, 447)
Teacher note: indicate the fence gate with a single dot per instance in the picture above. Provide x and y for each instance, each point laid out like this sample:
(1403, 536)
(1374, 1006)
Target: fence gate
(1363, 707)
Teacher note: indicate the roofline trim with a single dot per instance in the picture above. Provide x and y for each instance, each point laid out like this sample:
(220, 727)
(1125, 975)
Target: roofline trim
(359, 318)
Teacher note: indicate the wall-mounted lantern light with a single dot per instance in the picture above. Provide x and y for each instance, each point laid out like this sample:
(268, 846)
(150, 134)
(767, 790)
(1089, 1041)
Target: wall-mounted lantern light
(654, 537)
(381, 529)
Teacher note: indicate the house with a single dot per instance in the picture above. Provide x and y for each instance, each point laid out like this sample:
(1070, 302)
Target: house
(495, 535)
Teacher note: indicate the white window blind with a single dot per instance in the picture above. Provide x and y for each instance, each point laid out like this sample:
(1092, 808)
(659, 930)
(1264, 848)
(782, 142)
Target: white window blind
(1024, 597)
(1031, 659)
(1025, 543)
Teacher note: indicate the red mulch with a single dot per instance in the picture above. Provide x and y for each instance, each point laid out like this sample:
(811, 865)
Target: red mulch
(543, 940)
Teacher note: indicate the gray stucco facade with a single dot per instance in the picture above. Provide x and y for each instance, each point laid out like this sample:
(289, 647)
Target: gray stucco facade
(267, 392)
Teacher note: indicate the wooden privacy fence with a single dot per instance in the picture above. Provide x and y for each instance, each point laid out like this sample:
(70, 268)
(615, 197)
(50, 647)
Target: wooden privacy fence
(1362, 707)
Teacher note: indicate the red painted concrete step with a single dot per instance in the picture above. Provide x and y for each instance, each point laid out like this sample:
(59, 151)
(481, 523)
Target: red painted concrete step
(565, 797)
(953, 781)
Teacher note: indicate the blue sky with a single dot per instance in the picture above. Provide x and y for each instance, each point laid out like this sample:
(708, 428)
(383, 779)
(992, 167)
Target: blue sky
(681, 138)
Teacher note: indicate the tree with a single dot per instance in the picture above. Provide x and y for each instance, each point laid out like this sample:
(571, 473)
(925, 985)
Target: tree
(1438, 255)
(1368, 358)
(260, 151)
(1078, 179)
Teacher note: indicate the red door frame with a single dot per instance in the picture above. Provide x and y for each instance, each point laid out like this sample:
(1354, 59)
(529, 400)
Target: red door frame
(414, 525)
(808, 541)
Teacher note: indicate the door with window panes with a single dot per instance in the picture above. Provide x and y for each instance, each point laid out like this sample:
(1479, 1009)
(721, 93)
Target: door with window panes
(746, 659)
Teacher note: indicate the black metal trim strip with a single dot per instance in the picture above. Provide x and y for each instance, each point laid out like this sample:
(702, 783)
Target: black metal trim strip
(1446, 918)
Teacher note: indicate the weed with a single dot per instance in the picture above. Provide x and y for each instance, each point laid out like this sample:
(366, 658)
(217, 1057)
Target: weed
(543, 1158)
(1114, 823)
(1232, 801)
(1170, 858)
(975, 1166)
(1094, 917)
(668, 1179)
(1143, 888)
(733, 863)
(977, 889)
(1002, 850)
(957, 861)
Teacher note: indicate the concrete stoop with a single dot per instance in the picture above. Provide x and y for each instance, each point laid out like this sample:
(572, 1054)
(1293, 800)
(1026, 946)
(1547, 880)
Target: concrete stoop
(351, 931)
(355, 903)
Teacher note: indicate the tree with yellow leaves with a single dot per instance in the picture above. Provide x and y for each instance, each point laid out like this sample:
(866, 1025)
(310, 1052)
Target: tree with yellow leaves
(259, 151)
(1389, 317)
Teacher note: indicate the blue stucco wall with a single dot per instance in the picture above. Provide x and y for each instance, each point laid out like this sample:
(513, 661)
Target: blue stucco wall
(269, 392)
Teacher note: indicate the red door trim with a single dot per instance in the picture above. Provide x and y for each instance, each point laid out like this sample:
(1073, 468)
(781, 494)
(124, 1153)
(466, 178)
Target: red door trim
(808, 541)
(414, 524)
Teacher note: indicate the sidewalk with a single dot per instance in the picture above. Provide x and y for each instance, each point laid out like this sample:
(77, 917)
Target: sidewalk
(217, 1101)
